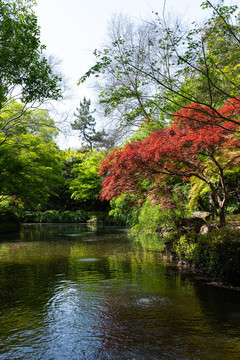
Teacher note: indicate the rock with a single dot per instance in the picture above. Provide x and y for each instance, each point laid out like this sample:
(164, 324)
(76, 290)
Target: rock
(207, 228)
(204, 229)
(164, 231)
(205, 215)
(192, 224)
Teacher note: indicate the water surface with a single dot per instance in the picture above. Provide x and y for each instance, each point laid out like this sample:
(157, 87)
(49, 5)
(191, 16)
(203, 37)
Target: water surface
(75, 292)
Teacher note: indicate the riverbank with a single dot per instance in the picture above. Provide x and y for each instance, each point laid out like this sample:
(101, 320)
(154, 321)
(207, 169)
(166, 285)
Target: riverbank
(214, 257)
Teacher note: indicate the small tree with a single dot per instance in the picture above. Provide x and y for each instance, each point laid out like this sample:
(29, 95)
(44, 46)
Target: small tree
(205, 148)
(85, 123)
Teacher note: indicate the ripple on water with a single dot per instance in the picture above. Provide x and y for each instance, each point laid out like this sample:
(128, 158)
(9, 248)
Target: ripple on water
(151, 300)
(88, 260)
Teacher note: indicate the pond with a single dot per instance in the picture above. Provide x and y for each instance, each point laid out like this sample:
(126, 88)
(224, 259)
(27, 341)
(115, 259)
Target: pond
(77, 292)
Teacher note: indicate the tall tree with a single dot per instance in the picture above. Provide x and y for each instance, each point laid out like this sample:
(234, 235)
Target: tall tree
(170, 66)
(26, 74)
(86, 123)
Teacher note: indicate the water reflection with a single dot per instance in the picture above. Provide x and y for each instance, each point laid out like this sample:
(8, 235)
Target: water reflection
(96, 295)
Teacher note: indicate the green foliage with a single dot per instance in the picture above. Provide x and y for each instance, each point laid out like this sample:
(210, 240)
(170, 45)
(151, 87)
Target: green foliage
(101, 218)
(86, 183)
(150, 218)
(198, 190)
(147, 231)
(16, 120)
(78, 216)
(145, 130)
(54, 216)
(31, 166)
(185, 246)
(10, 204)
(31, 169)
(157, 222)
(85, 123)
(124, 209)
(22, 63)
(215, 254)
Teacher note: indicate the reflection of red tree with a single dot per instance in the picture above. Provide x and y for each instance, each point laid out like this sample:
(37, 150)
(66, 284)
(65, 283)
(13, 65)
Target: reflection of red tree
(198, 140)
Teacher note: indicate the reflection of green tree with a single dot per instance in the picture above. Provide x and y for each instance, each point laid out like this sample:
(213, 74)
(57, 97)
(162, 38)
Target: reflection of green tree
(126, 272)
(37, 232)
(24, 253)
(26, 286)
(119, 275)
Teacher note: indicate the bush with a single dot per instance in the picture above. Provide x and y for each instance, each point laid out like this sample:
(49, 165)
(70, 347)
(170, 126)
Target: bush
(100, 217)
(30, 217)
(216, 254)
(49, 216)
(78, 216)
(54, 216)
(124, 210)
(154, 219)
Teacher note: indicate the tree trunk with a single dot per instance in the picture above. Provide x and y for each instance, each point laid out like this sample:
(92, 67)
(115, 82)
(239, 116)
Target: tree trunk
(222, 217)
(213, 209)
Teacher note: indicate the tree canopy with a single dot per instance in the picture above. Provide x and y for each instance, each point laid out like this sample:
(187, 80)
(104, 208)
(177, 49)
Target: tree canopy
(27, 76)
(22, 61)
(204, 148)
(153, 70)
(31, 169)
(85, 183)
(31, 166)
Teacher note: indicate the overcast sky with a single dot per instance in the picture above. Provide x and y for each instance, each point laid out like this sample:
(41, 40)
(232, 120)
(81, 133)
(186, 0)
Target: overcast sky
(72, 29)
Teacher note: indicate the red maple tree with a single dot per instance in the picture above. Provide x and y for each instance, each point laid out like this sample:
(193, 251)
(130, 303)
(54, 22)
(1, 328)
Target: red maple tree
(199, 143)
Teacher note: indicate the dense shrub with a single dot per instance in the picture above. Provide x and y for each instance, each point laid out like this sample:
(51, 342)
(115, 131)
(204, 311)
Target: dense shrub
(124, 209)
(54, 216)
(216, 254)
(79, 216)
(100, 217)
(154, 219)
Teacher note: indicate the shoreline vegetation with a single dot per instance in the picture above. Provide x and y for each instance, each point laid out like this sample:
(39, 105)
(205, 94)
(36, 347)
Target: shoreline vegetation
(207, 250)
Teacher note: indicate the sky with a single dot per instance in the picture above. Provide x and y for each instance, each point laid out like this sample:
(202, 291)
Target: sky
(73, 29)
